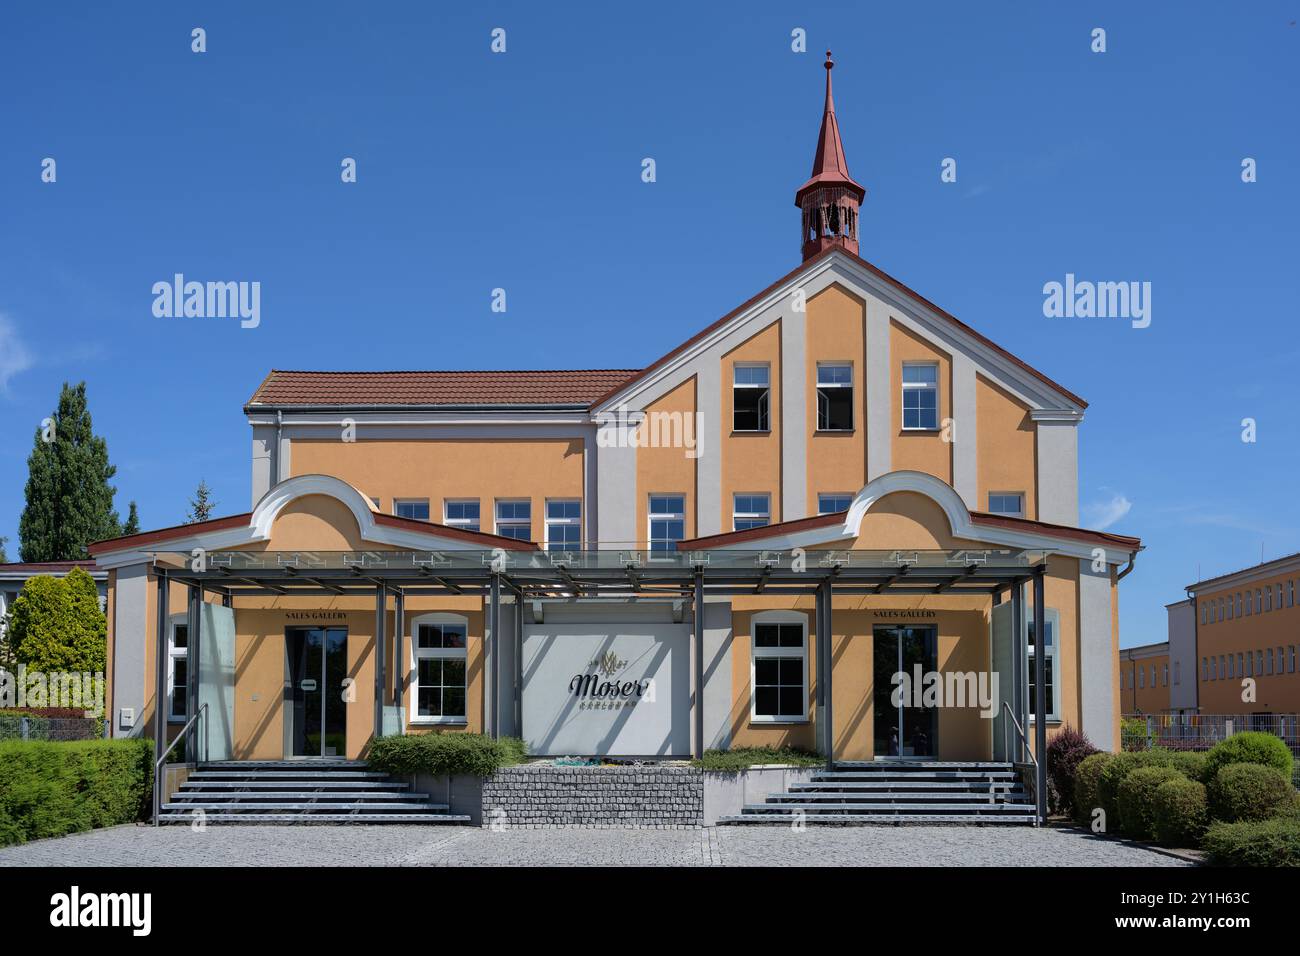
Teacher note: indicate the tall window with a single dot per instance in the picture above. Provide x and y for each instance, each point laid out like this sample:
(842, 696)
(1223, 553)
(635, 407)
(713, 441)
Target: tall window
(564, 525)
(1205, 669)
(750, 511)
(1142, 678)
(515, 519)
(417, 508)
(667, 522)
(921, 396)
(461, 513)
(1290, 594)
(834, 397)
(438, 652)
(1051, 621)
(178, 680)
(830, 503)
(1178, 673)
(1164, 674)
(1290, 659)
(750, 398)
(1011, 503)
(780, 666)
(1240, 665)
(1238, 603)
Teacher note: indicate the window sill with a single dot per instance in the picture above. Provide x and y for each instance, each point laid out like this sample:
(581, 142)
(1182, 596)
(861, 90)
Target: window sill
(755, 719)
(438, 722)
(751, 431)
(834, 431)
(920, 431)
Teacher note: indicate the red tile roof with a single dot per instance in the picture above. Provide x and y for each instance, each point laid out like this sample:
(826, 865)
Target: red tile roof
(551, 387)
(45, 567)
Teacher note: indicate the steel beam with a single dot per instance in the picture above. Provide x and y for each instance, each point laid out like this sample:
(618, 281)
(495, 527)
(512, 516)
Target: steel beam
(1040, 698)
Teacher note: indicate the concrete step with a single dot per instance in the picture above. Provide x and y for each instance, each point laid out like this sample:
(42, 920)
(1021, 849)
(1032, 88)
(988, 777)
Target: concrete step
(187, 817)
(927, 808)
(905, 775)
(887, 786)
(301, 805)
(855, 797)
(308, 763)
(287, 775)
(919, 819)
(295, 783)
(922, 764)
(355, 795)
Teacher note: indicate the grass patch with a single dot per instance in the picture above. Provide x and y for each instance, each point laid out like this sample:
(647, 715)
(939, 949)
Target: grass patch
(742, 758)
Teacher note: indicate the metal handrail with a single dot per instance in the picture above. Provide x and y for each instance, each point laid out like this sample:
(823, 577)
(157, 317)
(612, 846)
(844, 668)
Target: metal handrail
(1019, 730)
(157, 781)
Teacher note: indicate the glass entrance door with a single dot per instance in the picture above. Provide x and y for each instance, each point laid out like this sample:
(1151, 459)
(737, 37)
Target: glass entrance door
(905, 729)
(318, 666)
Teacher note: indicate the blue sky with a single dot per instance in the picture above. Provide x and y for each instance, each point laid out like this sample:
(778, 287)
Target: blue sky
(522, 171)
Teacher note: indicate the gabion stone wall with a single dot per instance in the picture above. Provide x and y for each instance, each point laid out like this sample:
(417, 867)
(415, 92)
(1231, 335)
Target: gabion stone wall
(540, 796)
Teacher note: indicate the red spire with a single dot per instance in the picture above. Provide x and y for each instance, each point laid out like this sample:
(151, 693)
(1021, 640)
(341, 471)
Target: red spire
(830, 166)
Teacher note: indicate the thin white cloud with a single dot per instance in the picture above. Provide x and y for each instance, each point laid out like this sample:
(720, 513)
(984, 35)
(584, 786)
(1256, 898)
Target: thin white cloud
(978, 190)
(1103, 514)
(14, 357)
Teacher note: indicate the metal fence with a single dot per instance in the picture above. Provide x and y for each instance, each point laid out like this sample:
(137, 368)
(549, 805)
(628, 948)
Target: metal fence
(32, 727)
(1203, 731)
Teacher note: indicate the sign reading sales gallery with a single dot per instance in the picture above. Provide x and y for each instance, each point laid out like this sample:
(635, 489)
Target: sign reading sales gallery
(600, 689)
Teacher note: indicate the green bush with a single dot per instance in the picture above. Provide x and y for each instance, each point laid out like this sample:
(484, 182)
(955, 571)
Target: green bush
(475, 755)
(1115, 772)
(1133, 734)
(1087, 777)
(1254, 843)
(50, 789)
(1250, 746)
(1190, 763)
(1178, 810)
(1249, 791)
(56, 624)
(1136, 799)
(744, 757)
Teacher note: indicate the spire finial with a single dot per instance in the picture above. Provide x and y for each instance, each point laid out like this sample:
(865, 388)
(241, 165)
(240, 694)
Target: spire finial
(830, 65)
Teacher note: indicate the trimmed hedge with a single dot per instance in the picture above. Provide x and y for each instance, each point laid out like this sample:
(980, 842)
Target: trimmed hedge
(1113, 775)
(1067, 749)
(742, 758)
(475, 755)
(1249, 746)
(1087, 780)
(1136, 799)
(1254, 843)
(1178, 811)
(1190, 763)
(51, 789)
(1249, 791)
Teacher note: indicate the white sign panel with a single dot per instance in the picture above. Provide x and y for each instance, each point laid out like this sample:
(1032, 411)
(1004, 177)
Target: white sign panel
(603, 689)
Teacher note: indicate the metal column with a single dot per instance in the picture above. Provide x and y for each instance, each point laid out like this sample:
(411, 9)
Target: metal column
(1018, 676)
(381, 607)
(160, 687)
(826, 681)
(193, 618)
(1040, 697)
(399, 641)
(519, 664)
(697, 668)
(494, 658)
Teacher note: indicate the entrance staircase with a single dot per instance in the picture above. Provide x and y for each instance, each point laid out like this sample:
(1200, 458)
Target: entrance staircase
(899, 791)
(299, 791)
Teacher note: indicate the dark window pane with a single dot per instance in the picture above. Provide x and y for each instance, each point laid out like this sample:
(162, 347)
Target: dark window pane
(791, 635)
(767, 635)
(453, 702)
(428, 702)
(791, 671)
(765, 702)
(453, 673)
(791, 701)
(767, 670)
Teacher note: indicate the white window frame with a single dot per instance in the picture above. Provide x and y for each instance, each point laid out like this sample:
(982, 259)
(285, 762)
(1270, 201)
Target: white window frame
(938, 398)
(652, 516)
(737, 386)
(566, 522)
(750, 515)
(498, 524)
(1018, 495)
(788, 653)
(173, 654)
(1052, 618)
(822, 510)
(398, 502)
(835, 385)
(465, 524)
(445, 653)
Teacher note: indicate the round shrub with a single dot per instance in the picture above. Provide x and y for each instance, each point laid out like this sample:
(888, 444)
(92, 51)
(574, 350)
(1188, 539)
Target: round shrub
(1136, 799)
(1087, 776)
(1249, 791)
(1066, 751)
(1250, 746)
(1254, 843)
(1190, 763)
(1178, 809)
(1115, 772)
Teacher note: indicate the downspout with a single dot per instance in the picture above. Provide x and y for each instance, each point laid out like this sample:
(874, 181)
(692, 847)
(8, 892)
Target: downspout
(279, 430)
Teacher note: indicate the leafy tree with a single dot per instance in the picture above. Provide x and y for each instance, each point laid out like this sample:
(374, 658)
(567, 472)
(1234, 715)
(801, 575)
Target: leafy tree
(201, 504)
(56, 624)
(132, 525)
(69, 500)
(4, 558)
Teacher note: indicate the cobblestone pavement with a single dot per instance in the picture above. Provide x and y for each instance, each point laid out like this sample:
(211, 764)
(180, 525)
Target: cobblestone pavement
(472, 846)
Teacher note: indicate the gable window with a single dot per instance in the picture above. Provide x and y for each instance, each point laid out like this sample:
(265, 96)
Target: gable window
(461, 513)
(178, 664)
(749, 398)
(921, 397)
(438, 650)
(515, 519)
(834, 397)
(1010, 503)
(1051, 622)
(779, 662)
(750, 511)
(667, 522)
(417, 508)
(828, 504)
(564, 525)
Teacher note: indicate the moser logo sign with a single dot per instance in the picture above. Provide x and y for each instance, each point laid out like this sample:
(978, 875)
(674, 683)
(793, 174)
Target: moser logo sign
(74, 909)
(597, 694)
(924, 688)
